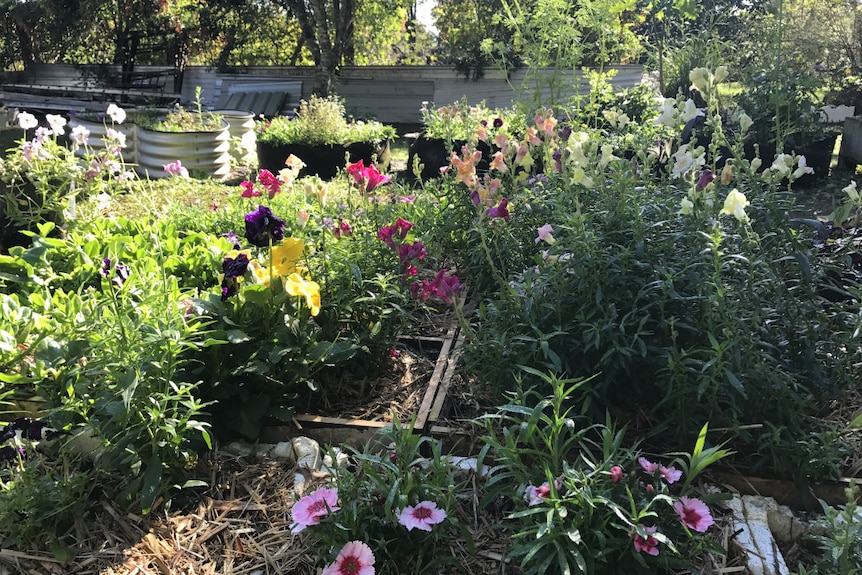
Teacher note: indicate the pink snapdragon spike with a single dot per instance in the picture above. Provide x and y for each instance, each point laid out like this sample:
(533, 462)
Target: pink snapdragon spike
(308, 510)
(176, 169)
(648, 544)
(248, 190)
(545, 235)
(693, 513)
(270, 183)
(366, 179)
(422, 516)
(501, 211)
(355, 558)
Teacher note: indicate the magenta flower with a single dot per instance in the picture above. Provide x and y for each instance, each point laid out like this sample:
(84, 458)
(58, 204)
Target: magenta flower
(270, 183)
(648, 544)
(423, 516)
(355, 558)
(535, 495)
(616, 474)
(248, 190)
(693, 513)
(501, 211)
(366, 179)
(309, 509)
(263, 227)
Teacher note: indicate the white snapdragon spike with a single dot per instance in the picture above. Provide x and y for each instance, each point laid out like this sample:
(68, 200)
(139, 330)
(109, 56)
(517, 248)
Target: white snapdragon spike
(801, 169)
(668, 115)
(80, 135)
(27, 121)
(607, 156)
(851, 191)
(700, 79)
(117, 114)
(745, 122)
(687, 159)
(755, 164)
(57, 124)
(690, 111)
(735, 204)
(721, 74)
(782, 164)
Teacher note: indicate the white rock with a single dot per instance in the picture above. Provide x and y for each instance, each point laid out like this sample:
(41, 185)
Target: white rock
(751, 521)
(282, 450)
(307, 452)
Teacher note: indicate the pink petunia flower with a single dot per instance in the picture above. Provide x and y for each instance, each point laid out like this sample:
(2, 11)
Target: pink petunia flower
(648, 544)
(355, 558)
(308, 510)
(693, 513)
(422, 516)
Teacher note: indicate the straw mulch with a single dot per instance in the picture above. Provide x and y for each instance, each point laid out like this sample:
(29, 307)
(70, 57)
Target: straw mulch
(241, 526)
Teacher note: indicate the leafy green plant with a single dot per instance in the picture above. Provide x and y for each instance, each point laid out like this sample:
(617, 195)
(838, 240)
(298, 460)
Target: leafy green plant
(39, 502)
(321, 120)
(584, 502)
(841, 543)
(182, 120)
(378, 496)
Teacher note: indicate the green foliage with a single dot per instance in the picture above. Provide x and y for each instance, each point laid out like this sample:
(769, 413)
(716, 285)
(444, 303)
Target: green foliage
(397, 469)
(597, 494)
(39, 502)
(841, 544)
(321, 120)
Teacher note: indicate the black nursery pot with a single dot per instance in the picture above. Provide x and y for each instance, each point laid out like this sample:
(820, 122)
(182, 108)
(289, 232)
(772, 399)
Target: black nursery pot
(433, 154)
(378, 153)
(322, 160)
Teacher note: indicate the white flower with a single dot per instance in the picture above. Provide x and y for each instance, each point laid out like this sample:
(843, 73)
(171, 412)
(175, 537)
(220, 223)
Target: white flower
(802, 169)
(668, 115)
(782, 164)
(686, 159)
(80, 135)
(690, 111)
(720, 74)
(686, 206)
(57, 123)
(850, 190)
(700, 79)
(745, 122)
(116, 135)
(734, 205)
(27, 121)
(755, 164)
(117, 114)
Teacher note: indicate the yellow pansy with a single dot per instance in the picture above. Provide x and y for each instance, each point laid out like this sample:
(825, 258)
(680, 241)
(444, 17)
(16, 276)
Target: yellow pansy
(285, 255)
(296, 285)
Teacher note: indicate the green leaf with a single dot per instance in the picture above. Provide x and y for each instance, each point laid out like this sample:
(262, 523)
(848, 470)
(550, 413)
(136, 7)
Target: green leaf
(236, 336)
(151, 483)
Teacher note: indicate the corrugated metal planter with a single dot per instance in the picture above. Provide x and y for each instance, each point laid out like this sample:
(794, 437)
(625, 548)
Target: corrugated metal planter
(98, 131)
(241, 127)
(204, 154)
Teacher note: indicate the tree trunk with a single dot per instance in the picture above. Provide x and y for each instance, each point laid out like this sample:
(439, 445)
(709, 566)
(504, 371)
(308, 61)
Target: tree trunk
(328, 64)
